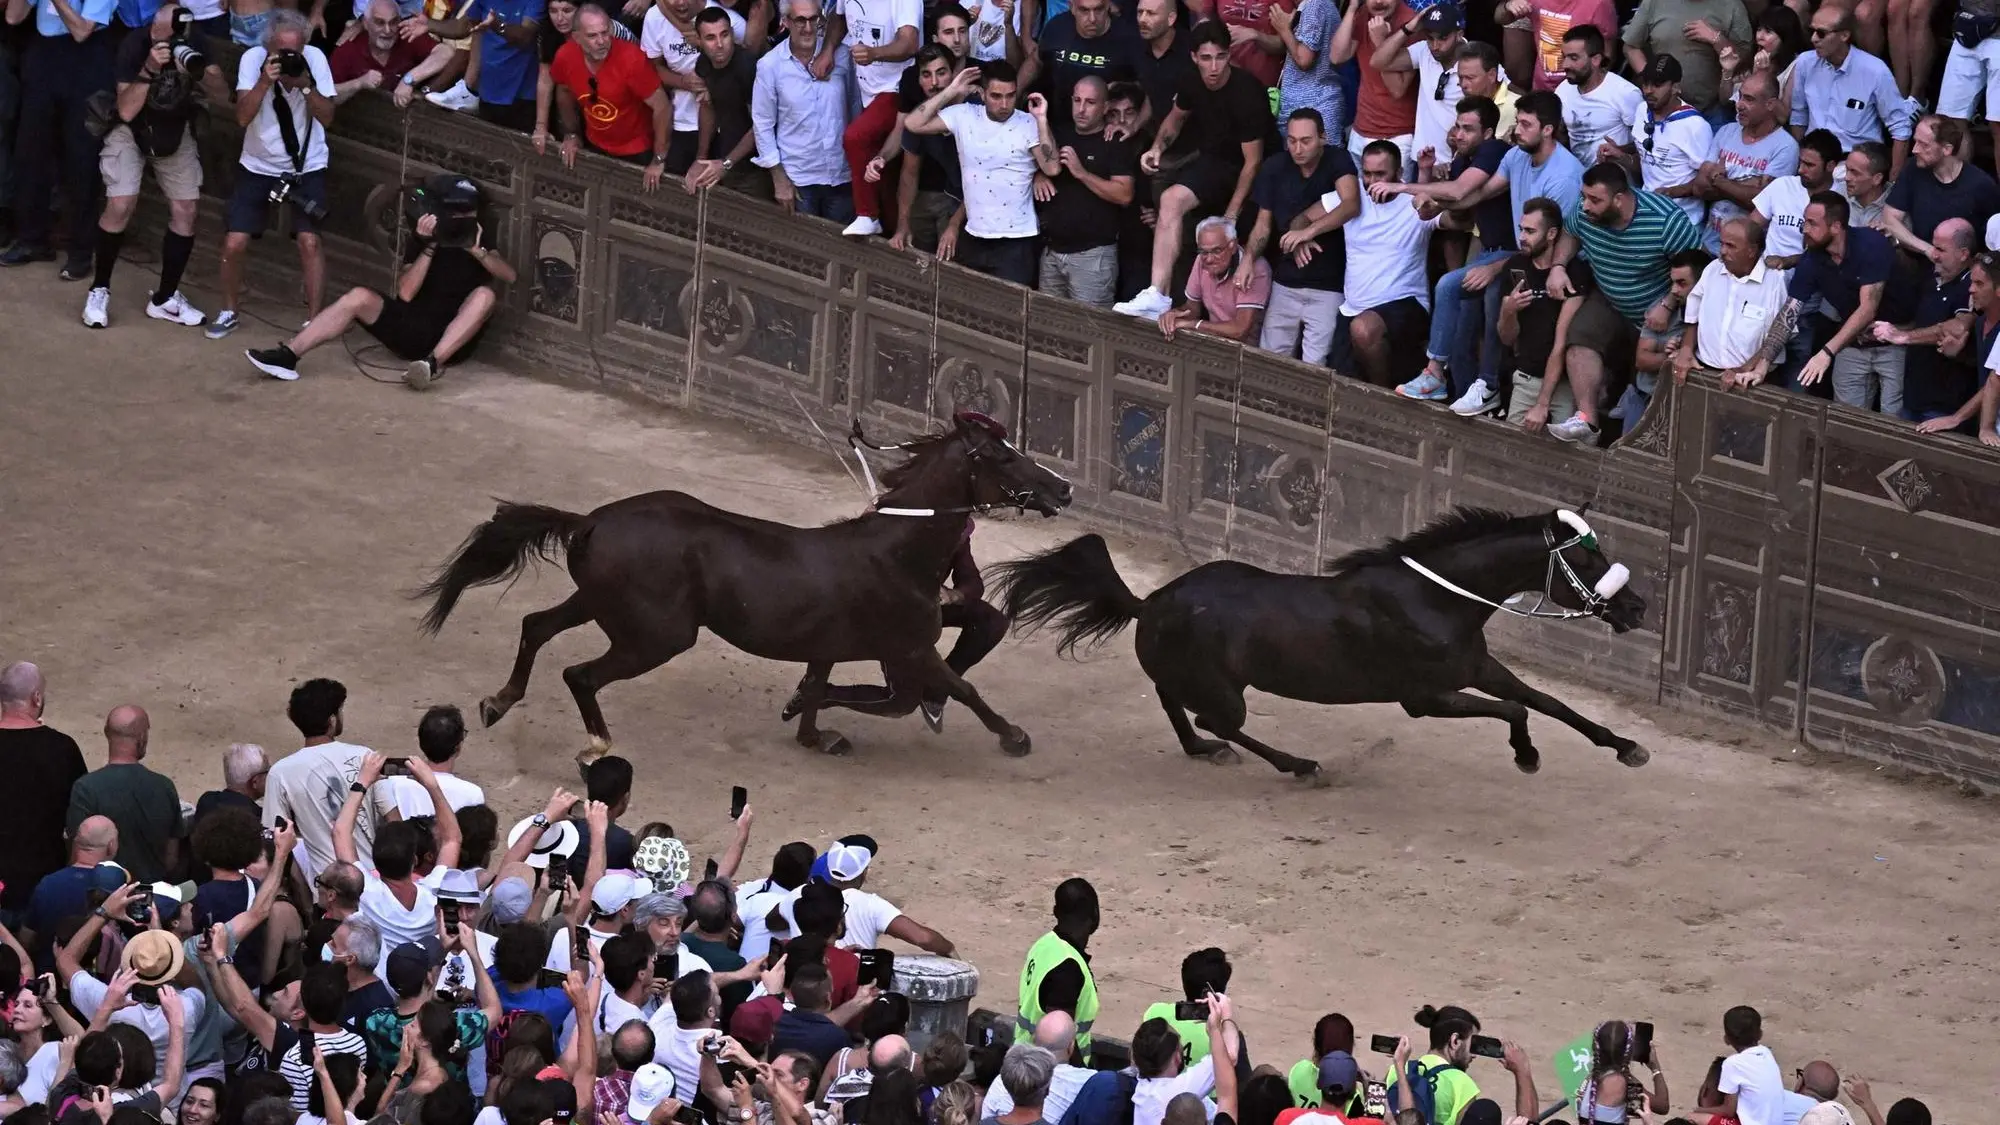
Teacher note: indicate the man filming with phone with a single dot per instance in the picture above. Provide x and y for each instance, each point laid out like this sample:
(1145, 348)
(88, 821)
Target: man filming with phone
(157, 74)
(284, 102)
(445, 294)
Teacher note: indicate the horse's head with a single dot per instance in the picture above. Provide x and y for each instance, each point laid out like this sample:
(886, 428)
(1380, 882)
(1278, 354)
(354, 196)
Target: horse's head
(1594, 583)
(997, 474)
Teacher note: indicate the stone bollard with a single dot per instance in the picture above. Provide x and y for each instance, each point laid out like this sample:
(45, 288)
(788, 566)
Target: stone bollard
(940, 991)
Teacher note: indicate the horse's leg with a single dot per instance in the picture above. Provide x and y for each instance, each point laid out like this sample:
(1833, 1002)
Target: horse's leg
(1014, 742)
(806, 704)
(1459, 705)
(1220, 711)
(629, 656)
(1192, 746)
(1494, 679)
(537, 629)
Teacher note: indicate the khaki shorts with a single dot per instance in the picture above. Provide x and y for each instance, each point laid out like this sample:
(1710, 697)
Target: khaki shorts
(123, 166)
(1528, 390)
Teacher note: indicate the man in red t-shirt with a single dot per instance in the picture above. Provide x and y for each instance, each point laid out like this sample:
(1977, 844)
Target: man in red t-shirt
(379, 58)
(1254, 43)
(1379, 114)
(610, 96)
(1547, 22)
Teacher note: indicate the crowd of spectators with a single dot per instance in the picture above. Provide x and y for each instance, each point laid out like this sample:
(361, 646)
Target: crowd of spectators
(343, 936)
(1083, 146)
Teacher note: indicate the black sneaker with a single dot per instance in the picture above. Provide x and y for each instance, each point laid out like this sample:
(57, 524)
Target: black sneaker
(278, 362)
(422, 373)
(76, 269)
(21, 253)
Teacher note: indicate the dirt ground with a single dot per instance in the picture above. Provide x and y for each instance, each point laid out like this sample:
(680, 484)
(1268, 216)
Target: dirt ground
(188, 535)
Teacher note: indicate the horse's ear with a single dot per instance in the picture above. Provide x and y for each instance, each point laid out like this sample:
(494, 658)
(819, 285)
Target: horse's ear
(1583, 509)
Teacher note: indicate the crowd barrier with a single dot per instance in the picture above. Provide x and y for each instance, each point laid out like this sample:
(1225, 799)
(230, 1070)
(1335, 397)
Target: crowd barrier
(1823, 572)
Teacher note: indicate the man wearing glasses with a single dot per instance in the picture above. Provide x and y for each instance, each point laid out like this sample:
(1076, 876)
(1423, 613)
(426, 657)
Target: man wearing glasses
(610, 97)
(1848, 91)
(1425, 51)
(799, 120)
(1213, 302)
(1670, 140)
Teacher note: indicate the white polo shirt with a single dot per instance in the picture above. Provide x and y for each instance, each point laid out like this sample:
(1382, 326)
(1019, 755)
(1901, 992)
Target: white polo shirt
(1732, 314)
(1671, 151)
(1604, 114)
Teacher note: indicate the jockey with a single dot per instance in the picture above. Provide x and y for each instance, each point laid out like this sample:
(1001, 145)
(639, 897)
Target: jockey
(980, 626)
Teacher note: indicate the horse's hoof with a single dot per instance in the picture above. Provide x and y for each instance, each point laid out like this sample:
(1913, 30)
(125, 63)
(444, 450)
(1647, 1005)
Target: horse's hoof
(1222, 754)
(1314, 776)
(834, 743)
(598, 748)
(1209, 748)
(490, 711)
(1016, 743)
(1528, 761)
(1635, 757)
(793, 707)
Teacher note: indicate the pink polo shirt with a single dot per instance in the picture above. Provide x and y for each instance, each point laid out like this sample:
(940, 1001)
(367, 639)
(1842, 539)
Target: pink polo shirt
(1219, 295)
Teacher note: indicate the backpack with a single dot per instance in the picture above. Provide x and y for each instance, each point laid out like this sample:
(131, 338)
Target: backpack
(1418, 1090)
(1110, 1091)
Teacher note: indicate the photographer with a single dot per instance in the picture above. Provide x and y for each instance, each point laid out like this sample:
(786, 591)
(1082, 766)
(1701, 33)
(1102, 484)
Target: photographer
(157, 74)
(284, 103)
(443, 296)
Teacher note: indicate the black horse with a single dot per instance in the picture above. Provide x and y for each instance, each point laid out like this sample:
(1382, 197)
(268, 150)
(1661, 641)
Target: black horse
(1402, 623)
(653, 570)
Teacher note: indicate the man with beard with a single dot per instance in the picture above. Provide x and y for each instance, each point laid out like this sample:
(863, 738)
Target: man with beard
(1384, 311)
(799, 118)
(380, 57)
(1164, 61)
(1426, 48)
(1081, 41)
(928, 192)
(1534, 324)
(1597, 105)
(1082, 205)
(1670, 139)
(1846, 271)
(1307, 276)
(725, 143)
(1746, 155)
(1941, 365)
(999, 151)
(1204, 157)
(1943, 185)
(609, 97)
(670, 40)
(1781, 206)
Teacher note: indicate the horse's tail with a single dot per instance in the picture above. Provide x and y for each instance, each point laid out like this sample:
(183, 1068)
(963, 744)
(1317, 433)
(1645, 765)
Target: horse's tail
(1075, 586)
(499, 549)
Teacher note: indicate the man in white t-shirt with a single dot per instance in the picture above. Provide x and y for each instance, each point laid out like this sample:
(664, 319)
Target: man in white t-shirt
(999, 151)
(1386, 305)
(869, 916)
(882, 38)
(1670, 139)
(668, 38)
(402, 908)
(284, 89)
(1428, 47)
(1752, 1088)
(628, 983)
(440, 737)
(1598, 105)
(611, 903)
(309, 787)
(790, 868)
(1781, 206)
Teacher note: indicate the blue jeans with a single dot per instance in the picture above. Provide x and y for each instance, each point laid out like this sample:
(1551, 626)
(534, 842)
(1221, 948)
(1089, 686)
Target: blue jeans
(1456, 319)
(828, 201)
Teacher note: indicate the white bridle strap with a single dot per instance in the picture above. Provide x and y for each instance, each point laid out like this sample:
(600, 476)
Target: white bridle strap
(1448, 584)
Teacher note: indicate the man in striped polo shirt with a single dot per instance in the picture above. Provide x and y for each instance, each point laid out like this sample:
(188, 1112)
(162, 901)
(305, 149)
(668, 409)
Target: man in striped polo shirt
(1628, 237)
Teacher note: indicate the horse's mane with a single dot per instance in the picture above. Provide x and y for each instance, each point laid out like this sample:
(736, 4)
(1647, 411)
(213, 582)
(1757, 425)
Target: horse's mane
(1456, 526)
(899, 474)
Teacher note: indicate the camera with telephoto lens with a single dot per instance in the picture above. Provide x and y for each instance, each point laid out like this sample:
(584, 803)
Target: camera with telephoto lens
(292, 64)
(453, 200)
(186, 55)
(282, 193)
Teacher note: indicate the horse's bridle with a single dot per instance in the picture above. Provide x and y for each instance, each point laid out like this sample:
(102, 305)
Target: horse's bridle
(1016, 498)
(1596, 599)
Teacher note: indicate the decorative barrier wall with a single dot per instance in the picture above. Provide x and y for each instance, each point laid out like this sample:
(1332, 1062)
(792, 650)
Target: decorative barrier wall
(1820, 571)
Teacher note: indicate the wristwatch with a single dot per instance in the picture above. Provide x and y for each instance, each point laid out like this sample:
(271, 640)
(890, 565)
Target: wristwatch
(356, 787)
(727, 164)
(660, 158)
(540, 820)
(409, 79)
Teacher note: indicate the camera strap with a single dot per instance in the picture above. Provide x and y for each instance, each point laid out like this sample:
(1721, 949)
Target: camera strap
(288, 133)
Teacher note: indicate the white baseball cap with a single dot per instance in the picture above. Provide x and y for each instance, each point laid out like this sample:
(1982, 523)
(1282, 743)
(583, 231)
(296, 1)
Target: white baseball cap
(847, 862)
(616, 890)
(651, 1085)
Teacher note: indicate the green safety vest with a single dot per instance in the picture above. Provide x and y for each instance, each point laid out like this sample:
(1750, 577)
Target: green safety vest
(1048, 952)
(1193, 1033)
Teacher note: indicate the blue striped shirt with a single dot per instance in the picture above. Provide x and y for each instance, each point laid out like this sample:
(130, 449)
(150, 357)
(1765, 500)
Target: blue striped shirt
(1630, 265)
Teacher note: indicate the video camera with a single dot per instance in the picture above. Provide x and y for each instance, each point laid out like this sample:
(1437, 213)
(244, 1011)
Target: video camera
(454, 200)
(187, 56)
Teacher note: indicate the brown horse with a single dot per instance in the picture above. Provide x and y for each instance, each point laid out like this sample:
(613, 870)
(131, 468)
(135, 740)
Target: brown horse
(653, 570)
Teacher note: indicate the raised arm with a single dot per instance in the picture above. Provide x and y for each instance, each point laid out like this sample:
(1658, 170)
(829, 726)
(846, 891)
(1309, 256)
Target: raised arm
(446, 830)
(235, 996)
(259, 910)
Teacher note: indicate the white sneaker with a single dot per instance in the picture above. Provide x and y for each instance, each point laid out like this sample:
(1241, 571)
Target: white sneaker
(862, 227)
(1148, 303)
(1477, 400)
(177, 310)
(97, 308)
(459, 98)
(1573, 429)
